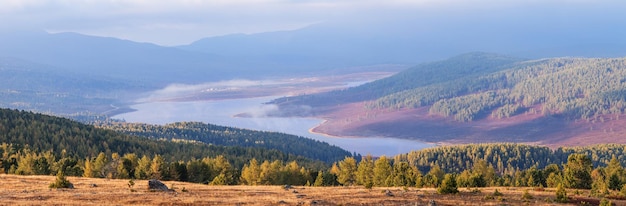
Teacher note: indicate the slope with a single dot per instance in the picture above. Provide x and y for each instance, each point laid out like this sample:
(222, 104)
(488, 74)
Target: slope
(66, 138)
(570, 101)
(228, 136)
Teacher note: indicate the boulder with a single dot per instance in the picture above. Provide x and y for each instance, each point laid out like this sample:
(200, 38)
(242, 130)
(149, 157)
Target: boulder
(154, 184)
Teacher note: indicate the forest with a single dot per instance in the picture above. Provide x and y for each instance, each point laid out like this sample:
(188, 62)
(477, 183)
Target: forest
(28, 132)
(228, 136)
(577, 88)
(476, 86)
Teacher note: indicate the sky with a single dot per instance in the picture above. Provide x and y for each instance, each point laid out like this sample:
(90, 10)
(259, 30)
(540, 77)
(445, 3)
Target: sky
(180, 22)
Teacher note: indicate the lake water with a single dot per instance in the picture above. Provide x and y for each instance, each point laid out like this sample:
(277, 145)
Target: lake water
(222, 113)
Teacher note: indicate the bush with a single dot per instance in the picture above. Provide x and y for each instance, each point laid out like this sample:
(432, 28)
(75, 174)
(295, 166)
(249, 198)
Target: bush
(561, 194)
(605, 202)
(527, 196)
(497, 193)
(61, 182)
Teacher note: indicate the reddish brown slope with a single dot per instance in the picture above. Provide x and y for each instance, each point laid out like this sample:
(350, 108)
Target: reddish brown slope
(355, 120)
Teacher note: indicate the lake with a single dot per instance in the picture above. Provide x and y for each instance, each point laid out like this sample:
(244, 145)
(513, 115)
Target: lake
(221, 112)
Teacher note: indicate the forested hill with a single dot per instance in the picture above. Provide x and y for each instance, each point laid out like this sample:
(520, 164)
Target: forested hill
(478, 98)
(576, 87)
(228, 136)
(456, 68)
(27, 131)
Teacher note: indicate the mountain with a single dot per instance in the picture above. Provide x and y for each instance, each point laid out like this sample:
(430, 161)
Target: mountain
(481, 97)
(425, 36)
(31, 86)
(111, 57)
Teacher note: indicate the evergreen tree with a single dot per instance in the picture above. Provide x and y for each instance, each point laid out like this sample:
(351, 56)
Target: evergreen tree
(382, 172)
(448, 185)
(319, 180)
(88, 171)
(143, 170)
(347, 171)
(577, 172)
(251, 173)
(100, 165)
(156, 167)
(365, 172)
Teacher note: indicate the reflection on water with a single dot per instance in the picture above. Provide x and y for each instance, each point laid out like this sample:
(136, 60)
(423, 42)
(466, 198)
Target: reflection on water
(222, 113)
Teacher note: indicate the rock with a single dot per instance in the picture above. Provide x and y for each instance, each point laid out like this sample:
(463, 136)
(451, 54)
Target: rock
(282, 202)
(294, 191)
(388, 193)
(287, 187)
(157, 185)
(432, 203)
(94, 185)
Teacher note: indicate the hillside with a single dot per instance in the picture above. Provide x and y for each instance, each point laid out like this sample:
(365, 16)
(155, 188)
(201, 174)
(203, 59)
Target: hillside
(484, 98)
(228, 136)
(31, 86)
(25, 132)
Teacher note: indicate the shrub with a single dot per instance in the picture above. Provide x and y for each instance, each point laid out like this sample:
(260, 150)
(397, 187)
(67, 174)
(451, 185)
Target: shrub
(61, 181)
(527, 196)
(561, 194)
(497, 193)
(605, 202)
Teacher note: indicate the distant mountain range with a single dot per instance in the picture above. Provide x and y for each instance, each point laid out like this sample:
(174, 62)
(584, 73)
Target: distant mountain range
(482, 97)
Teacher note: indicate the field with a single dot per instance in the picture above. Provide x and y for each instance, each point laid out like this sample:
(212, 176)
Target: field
(33, 190)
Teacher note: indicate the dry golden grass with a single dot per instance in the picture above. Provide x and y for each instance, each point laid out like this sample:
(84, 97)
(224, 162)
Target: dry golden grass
(33, 190)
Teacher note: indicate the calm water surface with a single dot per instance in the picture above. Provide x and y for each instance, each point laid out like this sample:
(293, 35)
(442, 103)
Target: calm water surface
(222, 113)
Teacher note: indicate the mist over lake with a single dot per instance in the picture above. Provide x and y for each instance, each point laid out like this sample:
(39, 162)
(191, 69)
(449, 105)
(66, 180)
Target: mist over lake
(222, 112)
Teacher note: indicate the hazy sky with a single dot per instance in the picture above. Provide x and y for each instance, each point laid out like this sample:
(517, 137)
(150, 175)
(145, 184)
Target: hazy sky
(177, 22)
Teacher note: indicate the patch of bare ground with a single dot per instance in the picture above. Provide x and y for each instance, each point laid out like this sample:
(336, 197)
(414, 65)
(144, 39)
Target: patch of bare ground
(33, 190)
(356, 120)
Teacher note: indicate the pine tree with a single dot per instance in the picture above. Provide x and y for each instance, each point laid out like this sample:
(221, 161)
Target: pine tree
(88, 170)
(143, 171)
(347, 171)
(365, 172)
(251, 173)
(448, 185)
(156, 167)
(577, 172)
(319, 180)
(382, 172)
(100, 165)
